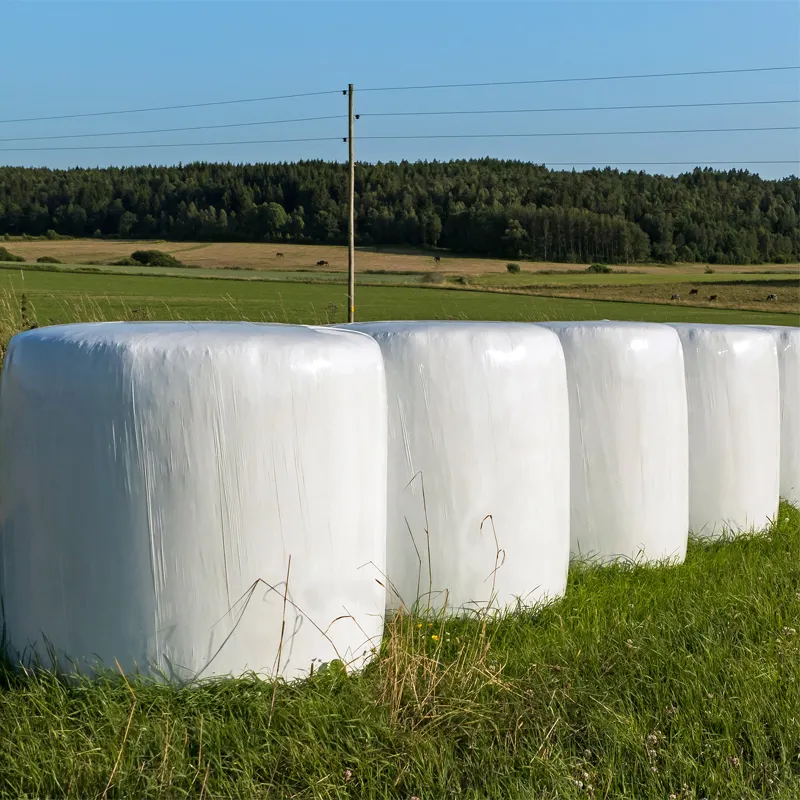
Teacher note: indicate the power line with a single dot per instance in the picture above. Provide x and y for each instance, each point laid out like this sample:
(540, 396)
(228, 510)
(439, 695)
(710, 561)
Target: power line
(575, 133)
(165, 144)
(172, 108)
(388, 114)
(398, 136)
(171, 130)
(417, 136)
(578, 80)
(579, 108)
(659, 163)
(295, 95)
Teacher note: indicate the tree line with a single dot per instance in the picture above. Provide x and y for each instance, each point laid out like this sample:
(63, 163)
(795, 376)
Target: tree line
(487, 207)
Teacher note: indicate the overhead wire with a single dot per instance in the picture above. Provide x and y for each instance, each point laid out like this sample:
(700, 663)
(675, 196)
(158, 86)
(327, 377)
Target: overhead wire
(538, 134)
(574, 108)
(172, 107)
(166, 144)
(342, 117)
(576, 133)
(583, 79)
(531, 82)
(432, 113)
(698, 163)
(173, 130)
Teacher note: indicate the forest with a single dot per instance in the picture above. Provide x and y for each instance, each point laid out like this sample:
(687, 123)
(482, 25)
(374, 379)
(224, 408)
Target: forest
(483, 207)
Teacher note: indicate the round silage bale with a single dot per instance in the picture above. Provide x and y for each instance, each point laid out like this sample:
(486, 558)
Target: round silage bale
(478, 504)
(628, 425)
(732, 385)
(787, 341)
(192, 500)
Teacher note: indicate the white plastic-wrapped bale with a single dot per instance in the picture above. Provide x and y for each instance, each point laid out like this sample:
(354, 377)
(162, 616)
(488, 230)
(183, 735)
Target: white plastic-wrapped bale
(787, 341)
(478, 426)
(733, 392)
(192, 500)
(629, 455)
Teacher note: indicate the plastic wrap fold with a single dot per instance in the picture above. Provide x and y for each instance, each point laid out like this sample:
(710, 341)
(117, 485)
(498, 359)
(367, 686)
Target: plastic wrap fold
(787, 341)
(733, 393)
(478, 426)
(156, 480)
(629, 452)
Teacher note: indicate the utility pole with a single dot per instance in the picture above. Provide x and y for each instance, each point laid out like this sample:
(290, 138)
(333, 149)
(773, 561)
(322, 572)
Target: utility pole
(351, 239)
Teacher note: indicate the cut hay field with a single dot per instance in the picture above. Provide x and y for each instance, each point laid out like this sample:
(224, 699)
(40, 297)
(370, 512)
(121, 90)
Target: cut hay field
(256, 256)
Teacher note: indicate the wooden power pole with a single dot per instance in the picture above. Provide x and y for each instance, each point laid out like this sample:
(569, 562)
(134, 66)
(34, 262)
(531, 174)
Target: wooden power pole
(351, 238)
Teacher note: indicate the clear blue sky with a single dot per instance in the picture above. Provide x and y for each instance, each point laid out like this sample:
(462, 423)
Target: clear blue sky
(68, 57)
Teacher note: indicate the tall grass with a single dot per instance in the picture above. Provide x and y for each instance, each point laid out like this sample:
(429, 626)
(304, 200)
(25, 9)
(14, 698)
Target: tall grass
(18, 313)
(642, 682)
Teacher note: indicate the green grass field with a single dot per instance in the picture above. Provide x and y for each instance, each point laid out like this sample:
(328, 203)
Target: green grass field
(63, 297)
(642, 682)
(678, 682)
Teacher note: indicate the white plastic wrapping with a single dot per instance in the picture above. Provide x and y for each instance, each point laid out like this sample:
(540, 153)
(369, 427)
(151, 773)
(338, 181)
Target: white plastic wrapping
(157, 479)
(787, 341)
(478, 421)
(734, 427)
(628, 423)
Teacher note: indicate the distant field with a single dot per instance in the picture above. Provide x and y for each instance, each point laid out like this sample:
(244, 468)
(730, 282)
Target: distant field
(263, 257)
(64, 297)
(235, 281)
(738, 295)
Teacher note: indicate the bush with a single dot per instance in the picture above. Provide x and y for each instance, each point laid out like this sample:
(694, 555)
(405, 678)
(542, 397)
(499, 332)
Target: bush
(601, 269)
(7, 237)
(432, 277)
(98, 234)
(513, 268)
(155, 258)
(708, 271)
(463, 280)
(6, 256)
(51, 234)
(126, 262)
(48, 260)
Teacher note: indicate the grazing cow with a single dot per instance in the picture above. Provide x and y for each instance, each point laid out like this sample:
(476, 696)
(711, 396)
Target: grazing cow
(321, 263)
(693, 291)
(436, 259)
(676, 297)
(278, 255)
(713, 297)
(772, 297)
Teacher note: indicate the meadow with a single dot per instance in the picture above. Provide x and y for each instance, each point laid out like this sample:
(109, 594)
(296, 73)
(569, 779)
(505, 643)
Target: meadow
(642, 682)
(56, 297)
(733, 288)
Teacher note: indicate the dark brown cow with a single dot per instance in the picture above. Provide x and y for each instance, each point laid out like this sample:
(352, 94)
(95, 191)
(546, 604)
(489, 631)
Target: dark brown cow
(713, 297)
(436, 259)
(321, 263)
(278, 255)
(693, 291)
